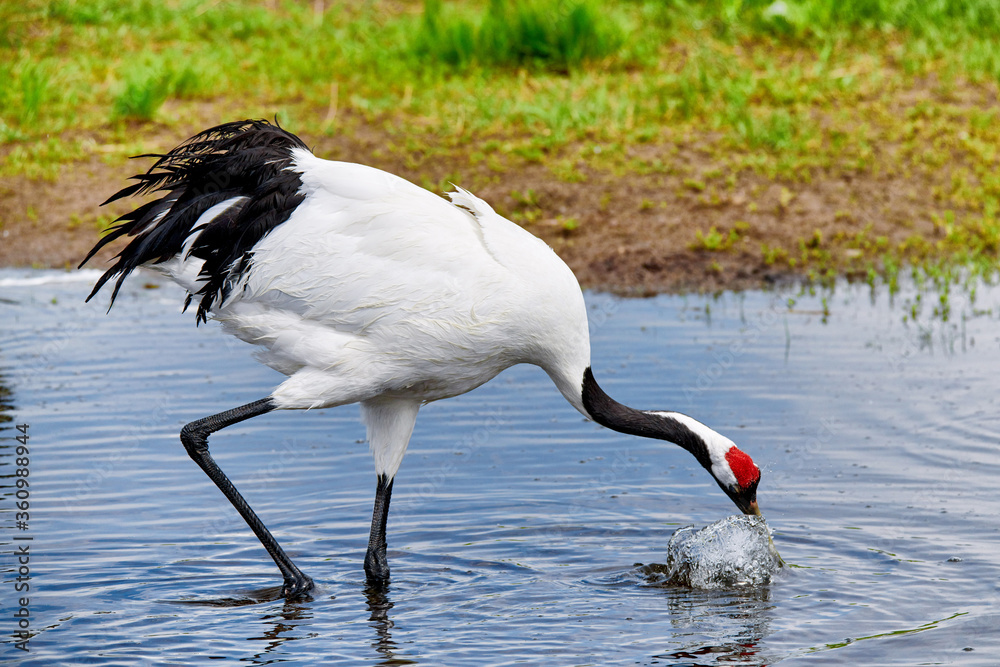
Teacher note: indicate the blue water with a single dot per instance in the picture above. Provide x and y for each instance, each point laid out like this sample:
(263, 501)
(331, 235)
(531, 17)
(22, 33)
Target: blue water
(516, 527)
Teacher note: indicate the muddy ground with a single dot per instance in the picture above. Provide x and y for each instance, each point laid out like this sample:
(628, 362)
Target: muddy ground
(633, 233)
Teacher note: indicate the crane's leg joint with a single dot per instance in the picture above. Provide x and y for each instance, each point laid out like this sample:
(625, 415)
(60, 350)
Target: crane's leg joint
(195, 440)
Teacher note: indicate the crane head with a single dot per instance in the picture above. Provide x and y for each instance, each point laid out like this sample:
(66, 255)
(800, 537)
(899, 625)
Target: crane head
(738, 476)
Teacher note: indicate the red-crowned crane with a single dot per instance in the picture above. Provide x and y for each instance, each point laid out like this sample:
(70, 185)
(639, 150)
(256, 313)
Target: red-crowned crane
(363, 288)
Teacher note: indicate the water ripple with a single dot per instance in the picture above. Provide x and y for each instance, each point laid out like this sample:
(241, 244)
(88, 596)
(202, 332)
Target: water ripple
(517, 530)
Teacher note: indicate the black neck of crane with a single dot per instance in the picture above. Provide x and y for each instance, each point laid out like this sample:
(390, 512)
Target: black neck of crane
(608, 412)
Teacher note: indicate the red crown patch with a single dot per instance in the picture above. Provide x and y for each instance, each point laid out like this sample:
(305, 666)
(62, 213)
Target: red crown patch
(743, 467)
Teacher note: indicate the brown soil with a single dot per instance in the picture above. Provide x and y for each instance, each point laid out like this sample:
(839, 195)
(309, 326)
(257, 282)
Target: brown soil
(633, 234)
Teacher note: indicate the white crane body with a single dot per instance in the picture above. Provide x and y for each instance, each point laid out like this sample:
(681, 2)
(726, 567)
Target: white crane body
(364, 288)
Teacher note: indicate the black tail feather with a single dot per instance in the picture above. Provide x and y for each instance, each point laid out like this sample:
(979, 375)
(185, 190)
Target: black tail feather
(249, 159)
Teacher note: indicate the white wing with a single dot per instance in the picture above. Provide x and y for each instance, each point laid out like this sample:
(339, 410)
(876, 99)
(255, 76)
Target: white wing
(375, 286)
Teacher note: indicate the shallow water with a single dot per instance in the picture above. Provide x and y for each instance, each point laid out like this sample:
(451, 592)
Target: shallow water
(516, 527)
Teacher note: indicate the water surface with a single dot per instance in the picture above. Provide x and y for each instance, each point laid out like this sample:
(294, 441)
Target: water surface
(516, 527)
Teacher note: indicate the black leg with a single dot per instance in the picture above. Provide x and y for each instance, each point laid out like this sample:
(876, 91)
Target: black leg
(376, 565)
(195, 439)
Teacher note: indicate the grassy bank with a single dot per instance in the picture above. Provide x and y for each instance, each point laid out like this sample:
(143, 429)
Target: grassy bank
(807, 136)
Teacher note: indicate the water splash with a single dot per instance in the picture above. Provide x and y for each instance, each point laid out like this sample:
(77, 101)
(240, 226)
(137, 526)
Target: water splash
(736, 551)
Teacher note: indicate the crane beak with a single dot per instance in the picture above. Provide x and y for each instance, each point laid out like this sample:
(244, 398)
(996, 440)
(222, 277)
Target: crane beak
(752, 509)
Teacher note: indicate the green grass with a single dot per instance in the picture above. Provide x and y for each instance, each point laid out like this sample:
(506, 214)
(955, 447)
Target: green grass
(931, 19)
(786, 91)
(147, 85)
(551, 34)
(613, 71)
(715, 241)
(141, 94)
